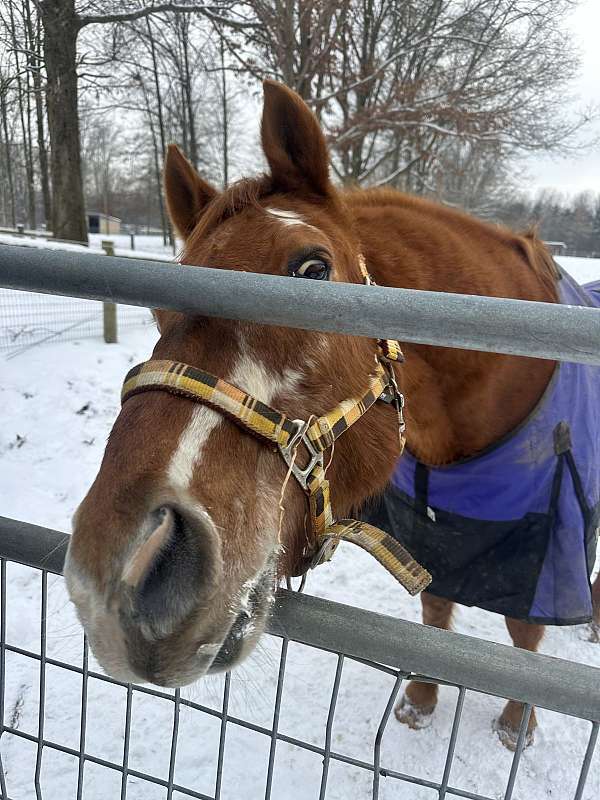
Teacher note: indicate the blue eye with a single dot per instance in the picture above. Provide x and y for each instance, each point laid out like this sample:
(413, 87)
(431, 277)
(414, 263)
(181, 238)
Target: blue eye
(312, 268)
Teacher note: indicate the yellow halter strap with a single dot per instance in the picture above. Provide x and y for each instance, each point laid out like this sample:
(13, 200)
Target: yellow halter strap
(316, 435)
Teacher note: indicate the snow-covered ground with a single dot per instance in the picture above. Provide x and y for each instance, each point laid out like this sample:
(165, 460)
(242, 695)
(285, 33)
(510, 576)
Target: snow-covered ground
(58, 402)
(146, 243)
(151, 247)
(584, 270)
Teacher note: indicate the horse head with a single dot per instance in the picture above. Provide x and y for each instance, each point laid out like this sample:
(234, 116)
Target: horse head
(180, 541)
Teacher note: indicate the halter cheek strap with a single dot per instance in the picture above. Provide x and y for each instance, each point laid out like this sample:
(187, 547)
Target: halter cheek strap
(316, 437)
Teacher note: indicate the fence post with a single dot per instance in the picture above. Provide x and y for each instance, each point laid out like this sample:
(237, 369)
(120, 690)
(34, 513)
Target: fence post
(132, 240)
(109, 310)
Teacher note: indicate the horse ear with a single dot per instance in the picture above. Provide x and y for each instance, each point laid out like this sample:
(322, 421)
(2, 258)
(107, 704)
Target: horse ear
(187, 194)
(293, 142)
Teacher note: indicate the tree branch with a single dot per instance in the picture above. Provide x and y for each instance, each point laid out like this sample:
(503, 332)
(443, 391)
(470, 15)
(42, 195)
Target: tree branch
(209, 10)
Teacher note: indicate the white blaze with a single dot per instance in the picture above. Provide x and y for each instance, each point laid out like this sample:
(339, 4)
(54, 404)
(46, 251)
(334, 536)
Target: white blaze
(251, 377)
(288, 218)
(188, 452)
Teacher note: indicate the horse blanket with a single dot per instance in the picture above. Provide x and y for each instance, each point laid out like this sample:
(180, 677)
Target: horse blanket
(514, 528)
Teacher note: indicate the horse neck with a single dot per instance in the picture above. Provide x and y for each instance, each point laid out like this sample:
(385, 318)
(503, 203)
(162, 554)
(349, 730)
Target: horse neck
(458, 401)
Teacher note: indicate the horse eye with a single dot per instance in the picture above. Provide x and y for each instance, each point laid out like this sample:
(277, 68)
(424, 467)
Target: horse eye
(313, 268)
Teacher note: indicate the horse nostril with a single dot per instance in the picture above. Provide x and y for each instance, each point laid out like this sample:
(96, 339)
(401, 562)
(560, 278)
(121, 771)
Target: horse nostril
(170, 571)
(164, 523)
(169, 542)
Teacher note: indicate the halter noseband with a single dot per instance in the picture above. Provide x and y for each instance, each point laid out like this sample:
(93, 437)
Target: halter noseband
(317, 435)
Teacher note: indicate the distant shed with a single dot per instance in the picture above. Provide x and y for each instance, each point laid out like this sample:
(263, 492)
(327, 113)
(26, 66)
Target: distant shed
(103, 223)
(556, 248)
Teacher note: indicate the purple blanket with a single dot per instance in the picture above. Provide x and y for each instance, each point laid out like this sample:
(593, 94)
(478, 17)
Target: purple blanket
(513, 529)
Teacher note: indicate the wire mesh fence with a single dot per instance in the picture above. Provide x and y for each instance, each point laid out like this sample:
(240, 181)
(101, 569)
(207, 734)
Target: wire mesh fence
(28, 319)
(210, 749)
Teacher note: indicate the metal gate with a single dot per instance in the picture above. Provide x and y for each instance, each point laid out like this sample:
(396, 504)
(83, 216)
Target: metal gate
(394, 648)
(402, 650)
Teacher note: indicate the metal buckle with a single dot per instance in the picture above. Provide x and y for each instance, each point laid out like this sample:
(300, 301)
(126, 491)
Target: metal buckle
(316, 457)
(392, 394)
(399, 402)
(325, 552)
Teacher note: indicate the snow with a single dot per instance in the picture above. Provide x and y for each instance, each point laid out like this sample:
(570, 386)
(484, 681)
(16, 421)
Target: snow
(584, 270)
(58, 403)
(152, 246)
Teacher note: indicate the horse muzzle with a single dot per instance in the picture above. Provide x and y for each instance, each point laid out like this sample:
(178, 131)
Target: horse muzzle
(168, 616)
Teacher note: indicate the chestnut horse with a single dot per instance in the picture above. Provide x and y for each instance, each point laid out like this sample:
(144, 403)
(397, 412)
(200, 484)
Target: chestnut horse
(178, 545)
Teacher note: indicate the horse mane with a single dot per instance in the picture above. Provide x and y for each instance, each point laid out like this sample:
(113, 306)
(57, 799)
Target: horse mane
(538, 257)
(237, 196)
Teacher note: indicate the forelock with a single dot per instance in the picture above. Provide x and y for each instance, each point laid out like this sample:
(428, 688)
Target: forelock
(238, 196)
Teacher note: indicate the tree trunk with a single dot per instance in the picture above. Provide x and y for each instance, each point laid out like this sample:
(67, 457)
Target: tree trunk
(61, 27)
(187, 90)
(8, 155)
(164, 220)
(31, 158)
(35, 45)
(25, 124)
(157, 166)
(225, 111)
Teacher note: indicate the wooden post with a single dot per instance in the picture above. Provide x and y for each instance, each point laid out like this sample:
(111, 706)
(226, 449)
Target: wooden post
(109, 310)
(132, 239)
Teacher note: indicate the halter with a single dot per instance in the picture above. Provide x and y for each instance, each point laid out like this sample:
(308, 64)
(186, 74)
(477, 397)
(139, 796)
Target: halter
(317, 434)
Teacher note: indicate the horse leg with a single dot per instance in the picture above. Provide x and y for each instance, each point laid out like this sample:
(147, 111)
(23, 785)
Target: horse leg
(419, 700)
(528, 637)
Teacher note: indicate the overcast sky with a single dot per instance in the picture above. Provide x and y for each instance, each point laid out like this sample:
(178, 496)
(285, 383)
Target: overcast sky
(577, 174)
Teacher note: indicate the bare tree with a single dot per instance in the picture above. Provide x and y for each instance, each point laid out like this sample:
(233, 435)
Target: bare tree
(158, 144)
(34, 45)
(431, 96)
(22, 95)
(225, 114)
(398, 82)
(61, 26)
(412, 78)
(6, 150)
(177, 76)
(291, 40)
(62, 23)
(102, 154)
(573, 220)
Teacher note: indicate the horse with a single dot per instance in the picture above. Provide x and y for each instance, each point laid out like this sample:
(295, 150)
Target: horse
(181, 540)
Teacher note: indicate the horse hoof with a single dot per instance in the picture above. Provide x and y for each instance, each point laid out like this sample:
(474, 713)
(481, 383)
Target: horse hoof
(594, 632)
(416, 717)
(509, 736)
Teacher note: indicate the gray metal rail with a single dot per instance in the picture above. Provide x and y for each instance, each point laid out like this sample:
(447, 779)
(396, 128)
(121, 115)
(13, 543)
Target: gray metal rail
(396, 647)
(552, 683)
(518, 327)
